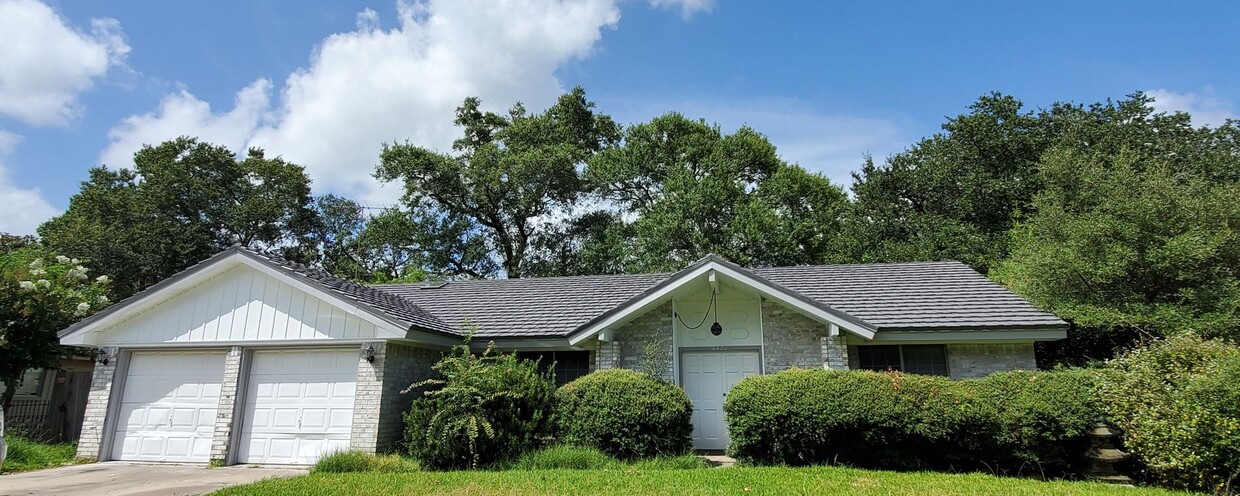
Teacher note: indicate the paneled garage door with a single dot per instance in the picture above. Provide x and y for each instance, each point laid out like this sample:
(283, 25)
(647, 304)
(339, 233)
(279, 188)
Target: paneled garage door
(168, 405)
(298, 405)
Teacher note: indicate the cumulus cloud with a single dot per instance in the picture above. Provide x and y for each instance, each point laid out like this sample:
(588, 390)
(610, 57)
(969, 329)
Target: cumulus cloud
(25, 208)
(375, 85)
(1206, 107)
(48, 63)
(687, 7)
(182, 114)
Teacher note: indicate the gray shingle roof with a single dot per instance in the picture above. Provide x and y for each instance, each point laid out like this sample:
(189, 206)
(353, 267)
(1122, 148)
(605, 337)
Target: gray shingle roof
(545, 306)
(907, 296)
(914, 296)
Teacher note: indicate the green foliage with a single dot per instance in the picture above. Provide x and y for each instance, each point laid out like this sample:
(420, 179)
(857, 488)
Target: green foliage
(1178, 405)
(41, 293)
(695, 191)
(564, 456)
(625, 414)
(391, 246)
(183, 201)
(486, 408)
(1042, 419)
(507, 173)
(1009, 423)
(669, 462)
(27, 455)
(1132, 245)
(356, 461)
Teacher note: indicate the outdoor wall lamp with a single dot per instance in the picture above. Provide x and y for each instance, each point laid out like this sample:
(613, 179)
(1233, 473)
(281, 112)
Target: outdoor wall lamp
(102, 357)
(370, 353)
(716, 329)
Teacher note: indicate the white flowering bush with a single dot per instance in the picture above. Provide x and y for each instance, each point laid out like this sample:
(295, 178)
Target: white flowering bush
(40, 293)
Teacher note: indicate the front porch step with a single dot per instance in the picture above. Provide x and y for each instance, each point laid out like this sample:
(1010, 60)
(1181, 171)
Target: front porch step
(718, 461)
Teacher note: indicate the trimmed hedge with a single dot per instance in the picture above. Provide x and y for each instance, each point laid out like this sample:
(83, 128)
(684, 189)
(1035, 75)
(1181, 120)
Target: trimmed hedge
(1007, 423)
(1178, 405)
(625, 414)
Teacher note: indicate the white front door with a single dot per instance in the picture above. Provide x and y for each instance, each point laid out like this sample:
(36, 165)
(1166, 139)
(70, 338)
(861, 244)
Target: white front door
(298, 405)
(708, 376)
(168, 406)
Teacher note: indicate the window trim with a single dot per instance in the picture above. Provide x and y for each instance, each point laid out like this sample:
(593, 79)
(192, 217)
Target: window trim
(947, 363)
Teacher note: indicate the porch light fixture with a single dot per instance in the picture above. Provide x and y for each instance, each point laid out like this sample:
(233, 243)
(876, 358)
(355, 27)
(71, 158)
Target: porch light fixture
(370, 353)
(102, 357)
(716, 329)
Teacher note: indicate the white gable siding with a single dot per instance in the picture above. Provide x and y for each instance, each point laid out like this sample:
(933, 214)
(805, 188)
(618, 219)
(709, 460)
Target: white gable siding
(241, 304)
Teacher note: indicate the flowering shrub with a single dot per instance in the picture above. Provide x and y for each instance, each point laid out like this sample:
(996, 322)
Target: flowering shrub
(40, 294)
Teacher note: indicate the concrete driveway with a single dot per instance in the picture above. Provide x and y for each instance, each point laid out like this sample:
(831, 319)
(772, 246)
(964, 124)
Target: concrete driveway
(126, 478)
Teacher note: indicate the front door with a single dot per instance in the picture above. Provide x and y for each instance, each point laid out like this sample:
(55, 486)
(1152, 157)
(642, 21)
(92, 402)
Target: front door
(707, 378)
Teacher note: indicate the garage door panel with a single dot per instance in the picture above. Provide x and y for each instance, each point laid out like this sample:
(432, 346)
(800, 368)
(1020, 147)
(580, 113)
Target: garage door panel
(299, 405)
(168, 406)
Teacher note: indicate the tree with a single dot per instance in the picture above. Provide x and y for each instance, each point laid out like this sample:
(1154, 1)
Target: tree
(1129, 247)
(40, 294)
(955, 195)
(695, 190)
(509, 175)
(183, 201)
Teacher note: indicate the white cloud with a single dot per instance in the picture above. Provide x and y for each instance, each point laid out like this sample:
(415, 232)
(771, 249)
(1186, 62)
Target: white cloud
(47, 63)
(374, 85)
(834, 144)
(687, 7)
(24, 209)
(182, 114)
(1206, 107)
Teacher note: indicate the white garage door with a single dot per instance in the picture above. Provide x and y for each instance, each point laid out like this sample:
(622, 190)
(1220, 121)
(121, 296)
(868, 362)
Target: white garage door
(167, 410)
(298, 405)
(708, 375)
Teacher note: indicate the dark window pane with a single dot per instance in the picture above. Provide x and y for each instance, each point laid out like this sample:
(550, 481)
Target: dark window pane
(879, 357)
(930, 359)
(569, 365)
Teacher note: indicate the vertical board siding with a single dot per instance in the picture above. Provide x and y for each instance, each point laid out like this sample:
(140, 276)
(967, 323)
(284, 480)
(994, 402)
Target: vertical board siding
(241, 304)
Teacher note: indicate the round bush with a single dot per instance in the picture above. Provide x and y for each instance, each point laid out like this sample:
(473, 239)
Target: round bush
(625, 414)
(1043, 420)
(1178, 405)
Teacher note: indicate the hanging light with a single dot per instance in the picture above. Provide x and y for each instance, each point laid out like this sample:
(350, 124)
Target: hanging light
(102, 357)
(716, 329)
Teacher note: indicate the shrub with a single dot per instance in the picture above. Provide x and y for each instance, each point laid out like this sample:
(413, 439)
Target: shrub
(1006, 423)
(1178, 405)
(869, 419)
(563, 456)
(1043, 420)
(487, 408)
(625, 414)
(356, 461)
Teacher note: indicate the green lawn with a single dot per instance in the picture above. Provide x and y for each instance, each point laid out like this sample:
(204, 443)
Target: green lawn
(630, 482)
(28, 455)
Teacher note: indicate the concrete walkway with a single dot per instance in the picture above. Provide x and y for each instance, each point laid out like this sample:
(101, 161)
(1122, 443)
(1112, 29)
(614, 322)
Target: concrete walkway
(124, 478)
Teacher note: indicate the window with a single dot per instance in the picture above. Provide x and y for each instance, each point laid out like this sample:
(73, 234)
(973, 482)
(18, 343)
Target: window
(569, 365)
(929, 359)
(32, 383)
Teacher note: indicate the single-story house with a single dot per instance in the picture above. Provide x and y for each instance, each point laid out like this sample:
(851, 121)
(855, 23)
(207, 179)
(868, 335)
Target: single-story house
(249, 358)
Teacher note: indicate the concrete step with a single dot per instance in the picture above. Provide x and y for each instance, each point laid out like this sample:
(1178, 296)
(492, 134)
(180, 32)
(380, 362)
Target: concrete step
(1110, 455)
(1113, 479)
(1103, 431)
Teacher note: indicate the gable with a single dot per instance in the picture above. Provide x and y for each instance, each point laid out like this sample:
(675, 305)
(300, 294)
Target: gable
(238, 304)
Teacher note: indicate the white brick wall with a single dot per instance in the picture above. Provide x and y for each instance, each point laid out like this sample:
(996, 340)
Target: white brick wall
(378, 405)
(979, 360)
(89, 443)
(227, 406)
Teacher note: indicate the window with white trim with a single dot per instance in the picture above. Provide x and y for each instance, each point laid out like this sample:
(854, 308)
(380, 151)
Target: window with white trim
(927, 359)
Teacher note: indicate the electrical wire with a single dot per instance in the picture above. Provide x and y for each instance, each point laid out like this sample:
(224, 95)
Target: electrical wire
(704, 314)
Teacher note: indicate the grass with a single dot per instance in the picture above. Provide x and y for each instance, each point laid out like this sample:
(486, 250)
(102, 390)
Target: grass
(579, 458)
(636, 482)
(356, 461)
(27, 455)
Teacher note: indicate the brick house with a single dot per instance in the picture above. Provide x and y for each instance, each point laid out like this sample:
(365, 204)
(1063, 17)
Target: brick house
(249, 358)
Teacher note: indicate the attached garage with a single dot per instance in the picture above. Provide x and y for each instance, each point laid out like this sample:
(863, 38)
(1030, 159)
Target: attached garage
(298, 405)
(250, 358)
(168, 407)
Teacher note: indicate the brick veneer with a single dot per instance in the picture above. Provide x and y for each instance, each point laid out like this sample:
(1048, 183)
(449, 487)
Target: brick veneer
(93, 422)
(227, 407)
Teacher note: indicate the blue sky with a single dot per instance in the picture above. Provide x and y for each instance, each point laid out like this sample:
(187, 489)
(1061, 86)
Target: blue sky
(326, 83)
